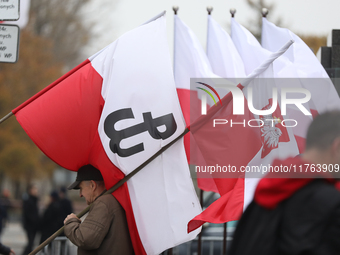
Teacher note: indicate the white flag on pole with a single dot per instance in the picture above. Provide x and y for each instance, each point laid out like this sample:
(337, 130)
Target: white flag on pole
(222, 53)
(306, 72)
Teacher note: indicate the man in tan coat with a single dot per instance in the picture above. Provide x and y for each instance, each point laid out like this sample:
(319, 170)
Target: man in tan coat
(104, 230)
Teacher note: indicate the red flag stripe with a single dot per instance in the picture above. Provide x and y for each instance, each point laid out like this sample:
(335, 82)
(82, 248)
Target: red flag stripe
(76, 143)
(43, 91)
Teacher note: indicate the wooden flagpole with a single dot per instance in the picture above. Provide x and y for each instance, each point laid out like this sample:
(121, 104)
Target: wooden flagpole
(224, 238)
(199, 245)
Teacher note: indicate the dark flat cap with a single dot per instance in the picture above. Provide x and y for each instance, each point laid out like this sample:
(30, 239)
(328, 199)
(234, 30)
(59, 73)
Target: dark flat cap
(86, 173)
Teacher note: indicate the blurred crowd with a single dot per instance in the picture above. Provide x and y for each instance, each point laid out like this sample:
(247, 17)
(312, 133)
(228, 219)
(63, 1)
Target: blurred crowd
(34, 221)
(5, 204)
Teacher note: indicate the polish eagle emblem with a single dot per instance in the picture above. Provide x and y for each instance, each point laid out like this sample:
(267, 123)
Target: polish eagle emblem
(272, 131)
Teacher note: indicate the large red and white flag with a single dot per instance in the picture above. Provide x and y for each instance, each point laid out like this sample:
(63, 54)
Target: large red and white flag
(190, 61)
(250, 141)
(298, 62)
(227, 63)
(114, 111)
(253, 54)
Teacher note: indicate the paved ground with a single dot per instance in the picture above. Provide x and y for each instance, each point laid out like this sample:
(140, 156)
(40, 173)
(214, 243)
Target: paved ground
(14, 236)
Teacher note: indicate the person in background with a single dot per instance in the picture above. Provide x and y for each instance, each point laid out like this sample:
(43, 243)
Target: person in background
(30, 216)
(6, 250)
(51, 219)
(298, 213)
(3, 217)
(65, 205)
(5, 204)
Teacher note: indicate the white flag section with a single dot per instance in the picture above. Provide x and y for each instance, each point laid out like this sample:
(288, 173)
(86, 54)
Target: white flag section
(222, 53)
(141, 105)
(250, 50)
(304, 64)
(189, 57)
(190, 61)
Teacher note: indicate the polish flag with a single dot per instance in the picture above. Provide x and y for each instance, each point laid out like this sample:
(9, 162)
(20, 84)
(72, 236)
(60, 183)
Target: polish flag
(250, 50)
(227, 63)
(114, 111)
(298, 62)
(223, 56)
(230, 58)
(251, 141)
(253, 54)
(190, 61)
(305, 71)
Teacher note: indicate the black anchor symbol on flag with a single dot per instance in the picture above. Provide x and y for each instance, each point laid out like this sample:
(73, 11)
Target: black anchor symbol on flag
(149, 125)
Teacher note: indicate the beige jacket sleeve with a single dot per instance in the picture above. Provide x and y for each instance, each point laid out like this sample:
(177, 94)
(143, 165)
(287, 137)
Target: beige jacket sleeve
(90, 234)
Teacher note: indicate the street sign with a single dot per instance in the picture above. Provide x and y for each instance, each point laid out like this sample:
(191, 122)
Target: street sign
(9, 10)
(9, 43)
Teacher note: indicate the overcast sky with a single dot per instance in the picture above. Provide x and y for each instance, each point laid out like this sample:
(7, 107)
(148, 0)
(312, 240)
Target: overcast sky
(305, 17)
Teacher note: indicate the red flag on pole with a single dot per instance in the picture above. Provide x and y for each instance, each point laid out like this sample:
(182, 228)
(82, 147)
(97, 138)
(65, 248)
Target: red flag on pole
(115, 111)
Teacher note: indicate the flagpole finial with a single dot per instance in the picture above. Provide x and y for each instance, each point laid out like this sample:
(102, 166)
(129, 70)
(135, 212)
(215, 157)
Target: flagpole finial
(264, 12)
(209, 9)
(232, 12)
(175, 9)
